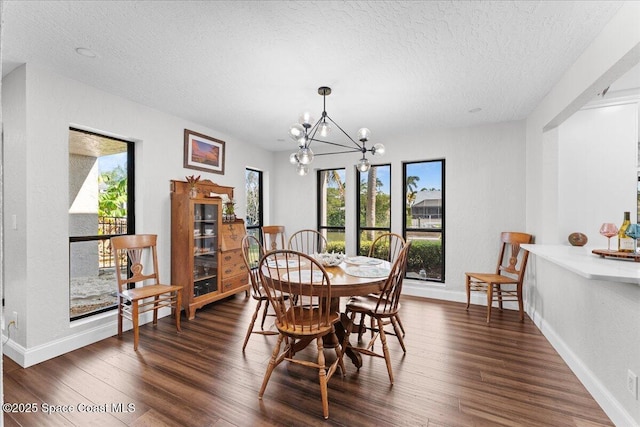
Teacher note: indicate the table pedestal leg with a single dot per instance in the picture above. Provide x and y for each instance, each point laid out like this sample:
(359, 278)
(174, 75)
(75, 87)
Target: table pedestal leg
(341, 328)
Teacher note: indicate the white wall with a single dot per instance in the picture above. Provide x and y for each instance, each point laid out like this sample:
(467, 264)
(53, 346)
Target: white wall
(39, 108)
(593, 324)
(484, 194)
(14, 130)
(597, 178)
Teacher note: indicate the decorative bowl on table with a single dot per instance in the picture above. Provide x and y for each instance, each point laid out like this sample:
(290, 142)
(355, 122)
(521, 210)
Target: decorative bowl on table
(329, 259)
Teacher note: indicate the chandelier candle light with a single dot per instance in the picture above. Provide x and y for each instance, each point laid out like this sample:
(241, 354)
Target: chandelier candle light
(306, 131)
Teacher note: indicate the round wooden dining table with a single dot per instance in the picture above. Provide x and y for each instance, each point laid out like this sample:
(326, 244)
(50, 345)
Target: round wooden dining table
(347, 285)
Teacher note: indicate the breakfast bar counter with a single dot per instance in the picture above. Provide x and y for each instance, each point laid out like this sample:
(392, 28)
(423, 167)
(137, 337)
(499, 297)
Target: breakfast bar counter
(581, 261)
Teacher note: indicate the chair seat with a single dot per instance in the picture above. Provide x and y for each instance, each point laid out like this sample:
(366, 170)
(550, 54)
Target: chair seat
(367, 304)
(148, 291)
(279, 294)
(261, 295)
(305, 321)
(497, 279)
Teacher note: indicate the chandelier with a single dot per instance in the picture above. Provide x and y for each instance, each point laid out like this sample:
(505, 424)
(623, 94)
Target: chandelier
(306, 131)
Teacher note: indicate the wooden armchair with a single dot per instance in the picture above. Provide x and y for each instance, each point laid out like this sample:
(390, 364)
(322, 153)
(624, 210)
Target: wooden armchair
(507, 280)
(139, 251)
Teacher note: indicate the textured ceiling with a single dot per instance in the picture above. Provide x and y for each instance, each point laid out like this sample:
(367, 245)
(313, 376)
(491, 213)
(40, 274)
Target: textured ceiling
(248, 69)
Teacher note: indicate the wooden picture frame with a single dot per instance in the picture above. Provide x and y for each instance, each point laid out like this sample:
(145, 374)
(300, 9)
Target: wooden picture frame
(202, 152)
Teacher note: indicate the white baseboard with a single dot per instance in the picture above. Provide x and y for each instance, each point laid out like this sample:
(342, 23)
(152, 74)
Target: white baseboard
(32, 356)
(436, 291)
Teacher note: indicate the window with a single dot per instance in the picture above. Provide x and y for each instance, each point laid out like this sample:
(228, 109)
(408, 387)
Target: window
(373, 205)
(424, 219)
(331, 208)
(101, 179)
(254, 220)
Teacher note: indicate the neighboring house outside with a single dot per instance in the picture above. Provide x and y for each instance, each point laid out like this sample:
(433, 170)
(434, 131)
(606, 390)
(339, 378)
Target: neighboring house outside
(426, 211)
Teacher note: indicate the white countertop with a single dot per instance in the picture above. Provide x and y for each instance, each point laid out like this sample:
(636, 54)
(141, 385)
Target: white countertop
(581, 261)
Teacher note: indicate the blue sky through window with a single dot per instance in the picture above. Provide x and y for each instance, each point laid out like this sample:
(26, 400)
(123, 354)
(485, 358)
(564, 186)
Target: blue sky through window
(109, 163)
(429, 174)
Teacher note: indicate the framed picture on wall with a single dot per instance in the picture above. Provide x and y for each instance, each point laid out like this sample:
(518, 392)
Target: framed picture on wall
(203, 152)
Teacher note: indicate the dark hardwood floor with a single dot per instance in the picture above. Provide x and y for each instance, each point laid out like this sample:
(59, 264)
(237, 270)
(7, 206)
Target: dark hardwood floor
(457, 372)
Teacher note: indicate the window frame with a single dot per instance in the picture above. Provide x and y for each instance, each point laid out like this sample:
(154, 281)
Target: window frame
(257, 228)
(441, 230)
(130, 216)
(323, 228)
(359, 228)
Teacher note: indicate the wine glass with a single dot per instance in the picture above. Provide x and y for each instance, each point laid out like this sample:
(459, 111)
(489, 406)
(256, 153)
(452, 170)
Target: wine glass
(633, 231)
(608, 230)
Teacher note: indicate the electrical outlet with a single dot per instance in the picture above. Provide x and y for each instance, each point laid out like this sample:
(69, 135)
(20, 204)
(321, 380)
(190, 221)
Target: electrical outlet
(632, 383)
(14, 319)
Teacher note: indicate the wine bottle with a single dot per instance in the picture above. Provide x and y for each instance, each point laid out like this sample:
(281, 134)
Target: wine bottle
(625, 243)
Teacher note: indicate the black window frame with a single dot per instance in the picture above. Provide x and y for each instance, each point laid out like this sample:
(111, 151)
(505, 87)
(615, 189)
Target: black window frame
(323, 228)
(441, 230)
(359, 228)
(130, 214)
(257, 228)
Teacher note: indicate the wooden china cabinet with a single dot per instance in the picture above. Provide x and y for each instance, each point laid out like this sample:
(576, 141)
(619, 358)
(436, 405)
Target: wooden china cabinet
(206, 253)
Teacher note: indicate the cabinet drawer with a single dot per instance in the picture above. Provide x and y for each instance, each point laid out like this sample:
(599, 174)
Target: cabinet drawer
(232, 263)
(234, 282)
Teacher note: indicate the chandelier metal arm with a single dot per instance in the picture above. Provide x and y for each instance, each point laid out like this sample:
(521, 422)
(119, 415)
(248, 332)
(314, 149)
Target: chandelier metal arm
(353, 150)
(311, 133)
(345, 133)
(359, 149)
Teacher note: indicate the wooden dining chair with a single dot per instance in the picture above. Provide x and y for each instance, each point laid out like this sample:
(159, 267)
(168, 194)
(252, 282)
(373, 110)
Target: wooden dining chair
(302, 320)
(308, 241)
(382, 307)
(139, 287)
(506, 283)
(252, 252)
(273, 237)
(386, 246)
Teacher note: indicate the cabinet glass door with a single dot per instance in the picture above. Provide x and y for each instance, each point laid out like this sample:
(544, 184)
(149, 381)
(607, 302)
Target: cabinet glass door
(205, 249)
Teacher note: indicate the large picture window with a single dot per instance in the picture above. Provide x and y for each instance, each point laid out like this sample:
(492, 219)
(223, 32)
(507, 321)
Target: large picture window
(101, 205)
(373, 205)
(331, 208)
(424, 219)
